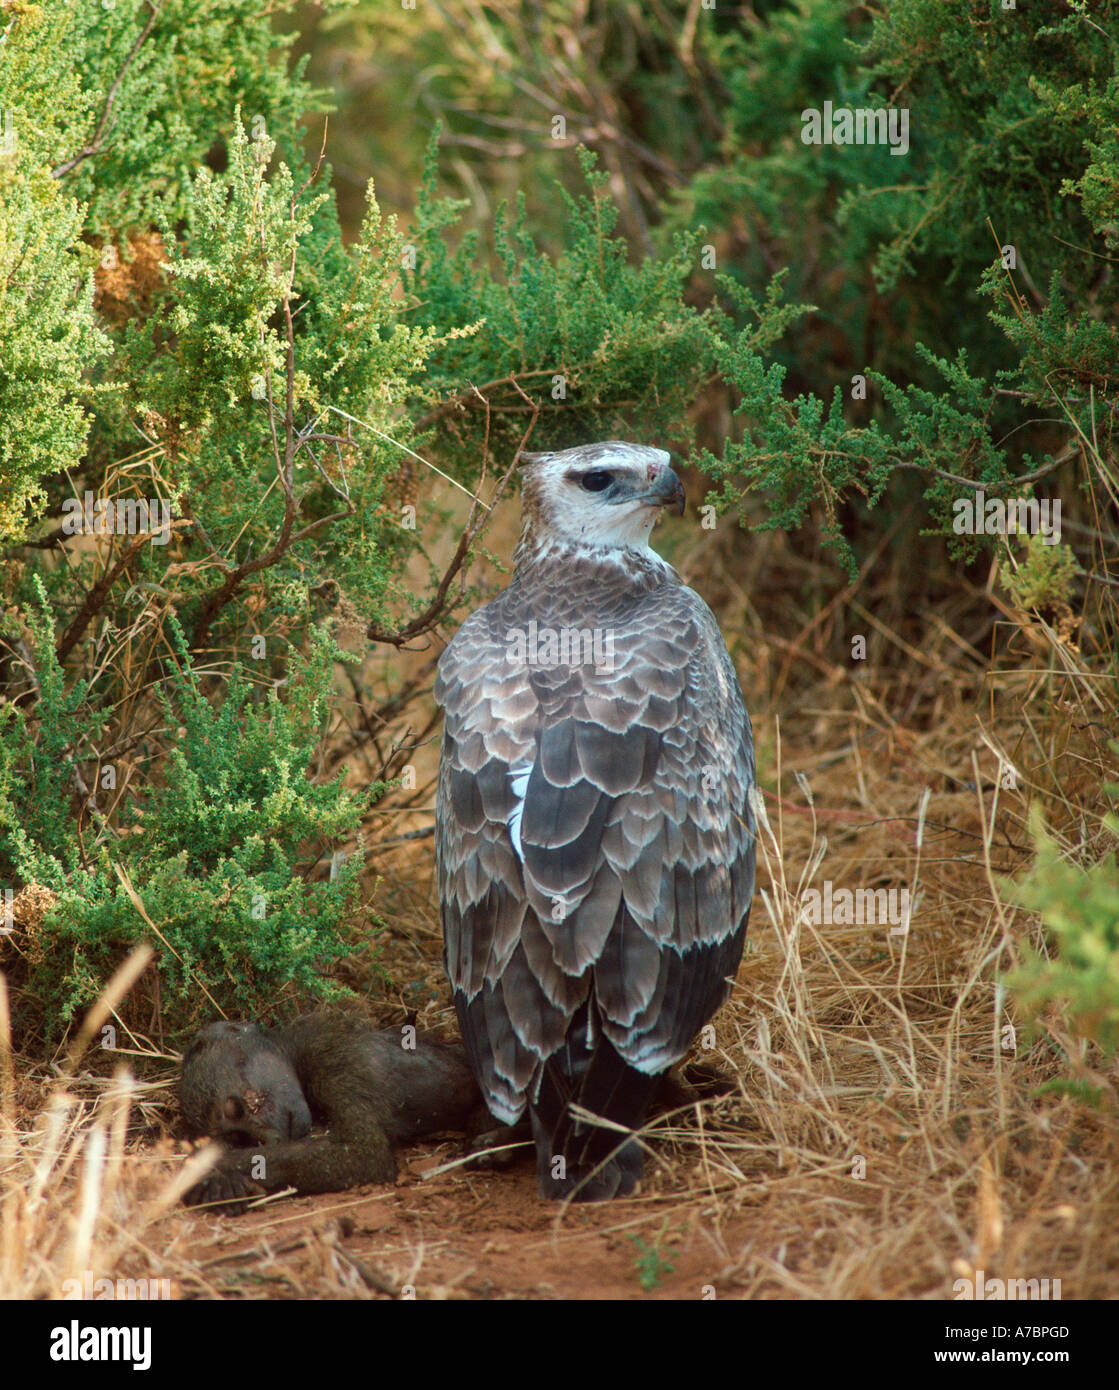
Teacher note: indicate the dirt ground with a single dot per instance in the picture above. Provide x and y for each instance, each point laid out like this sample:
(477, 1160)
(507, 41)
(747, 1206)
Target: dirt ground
(896, 1127)
(457, 1236)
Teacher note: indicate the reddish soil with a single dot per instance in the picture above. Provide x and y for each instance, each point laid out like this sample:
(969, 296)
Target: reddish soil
(457, 1235)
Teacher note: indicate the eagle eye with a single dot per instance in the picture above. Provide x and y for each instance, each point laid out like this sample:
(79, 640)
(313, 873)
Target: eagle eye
(597, 481)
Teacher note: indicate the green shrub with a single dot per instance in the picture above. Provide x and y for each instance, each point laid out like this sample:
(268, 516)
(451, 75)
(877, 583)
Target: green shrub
(1079, 908)
(217, 850)
(184, 323)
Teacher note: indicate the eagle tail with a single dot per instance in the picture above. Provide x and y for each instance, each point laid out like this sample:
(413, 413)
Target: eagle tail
(574, 1158)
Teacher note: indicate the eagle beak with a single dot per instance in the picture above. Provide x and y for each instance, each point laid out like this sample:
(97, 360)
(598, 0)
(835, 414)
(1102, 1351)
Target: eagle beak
(668, 492)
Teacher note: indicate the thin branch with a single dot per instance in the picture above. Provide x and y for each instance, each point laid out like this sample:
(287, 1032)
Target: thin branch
(58, 537)
(215, 554)
(479, 516)
(372, 722)
(470, 397)
(89, 799)
(411, 452)
(95, 599)
(284, 458)
(105, 123)
(425, 833)
(1050, 467)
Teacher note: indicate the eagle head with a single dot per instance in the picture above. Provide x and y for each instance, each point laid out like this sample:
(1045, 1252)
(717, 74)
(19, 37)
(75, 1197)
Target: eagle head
(604, 496)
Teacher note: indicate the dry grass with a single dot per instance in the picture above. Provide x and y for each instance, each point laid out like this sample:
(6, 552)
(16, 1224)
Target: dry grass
(892, 1138)
(75, 1204)
(888, 1136)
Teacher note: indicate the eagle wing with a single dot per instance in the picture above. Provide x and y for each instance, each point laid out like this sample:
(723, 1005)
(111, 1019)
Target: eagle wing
(595, 839)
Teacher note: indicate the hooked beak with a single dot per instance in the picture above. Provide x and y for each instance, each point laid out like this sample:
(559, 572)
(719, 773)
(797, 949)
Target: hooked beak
(667, 491)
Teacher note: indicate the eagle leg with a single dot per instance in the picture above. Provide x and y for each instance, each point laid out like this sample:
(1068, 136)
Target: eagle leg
(575, 1159)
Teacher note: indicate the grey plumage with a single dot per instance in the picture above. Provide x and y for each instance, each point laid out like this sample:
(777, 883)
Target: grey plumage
(595, 841)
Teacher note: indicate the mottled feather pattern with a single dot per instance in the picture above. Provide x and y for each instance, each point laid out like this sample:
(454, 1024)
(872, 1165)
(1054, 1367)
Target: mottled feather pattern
(595, 840)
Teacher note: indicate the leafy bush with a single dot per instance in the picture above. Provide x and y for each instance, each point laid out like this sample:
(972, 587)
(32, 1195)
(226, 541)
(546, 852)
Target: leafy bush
(1079, 909)
(216, 853)
(851, 336)
(186, 327)
(595, 340)
(963, 282)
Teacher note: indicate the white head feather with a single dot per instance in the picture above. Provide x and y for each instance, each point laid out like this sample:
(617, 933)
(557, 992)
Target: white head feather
(600, 497)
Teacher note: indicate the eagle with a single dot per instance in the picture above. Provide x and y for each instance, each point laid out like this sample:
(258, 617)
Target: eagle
(595, 837)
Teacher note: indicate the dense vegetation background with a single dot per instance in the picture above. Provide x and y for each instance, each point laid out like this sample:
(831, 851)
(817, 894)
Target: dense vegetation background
(590, 220)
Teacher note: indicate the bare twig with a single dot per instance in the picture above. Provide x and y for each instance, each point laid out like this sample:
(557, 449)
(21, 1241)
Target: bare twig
(95, 599)
(284, 455)
(437, 609)
(105, 124)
